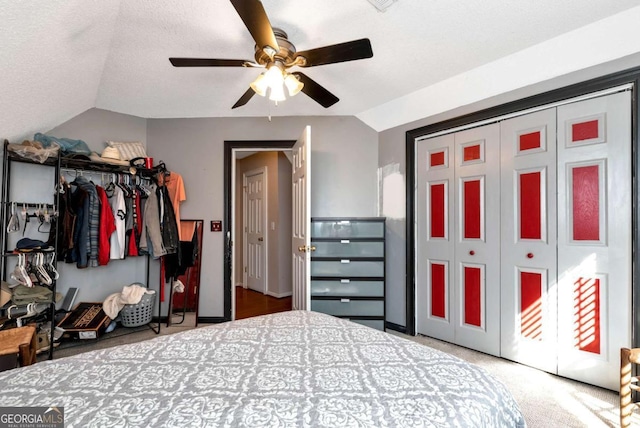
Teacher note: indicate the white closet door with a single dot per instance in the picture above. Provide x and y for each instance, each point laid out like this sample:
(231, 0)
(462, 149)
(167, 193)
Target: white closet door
(594, 238)
(435, 252)
(477, 239)
(529, 289)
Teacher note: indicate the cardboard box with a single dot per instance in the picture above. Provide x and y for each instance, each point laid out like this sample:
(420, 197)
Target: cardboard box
(5, 293)
(86, 321)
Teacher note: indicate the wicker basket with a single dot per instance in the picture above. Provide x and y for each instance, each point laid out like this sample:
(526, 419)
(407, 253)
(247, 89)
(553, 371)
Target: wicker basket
(140, 313)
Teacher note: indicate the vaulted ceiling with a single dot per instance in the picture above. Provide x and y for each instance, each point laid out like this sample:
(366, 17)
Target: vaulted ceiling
(62, 57)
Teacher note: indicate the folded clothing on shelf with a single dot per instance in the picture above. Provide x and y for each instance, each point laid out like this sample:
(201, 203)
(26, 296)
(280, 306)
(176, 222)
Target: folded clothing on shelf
(34, 150)
(22, 295)
(28, 244)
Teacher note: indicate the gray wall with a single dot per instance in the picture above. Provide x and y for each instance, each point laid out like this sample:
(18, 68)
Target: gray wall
(344, 162)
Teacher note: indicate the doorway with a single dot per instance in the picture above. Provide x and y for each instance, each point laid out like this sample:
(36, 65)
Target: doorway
(234, 275)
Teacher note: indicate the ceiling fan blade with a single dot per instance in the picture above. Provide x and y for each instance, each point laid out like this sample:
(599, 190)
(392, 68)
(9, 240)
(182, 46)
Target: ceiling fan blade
(323, 97)
(244, 98)
(257, 22)
(208, 62)
(348, 51)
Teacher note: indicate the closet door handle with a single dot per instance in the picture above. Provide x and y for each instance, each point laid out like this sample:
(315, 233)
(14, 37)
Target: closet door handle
(529, 255)
(472, 253)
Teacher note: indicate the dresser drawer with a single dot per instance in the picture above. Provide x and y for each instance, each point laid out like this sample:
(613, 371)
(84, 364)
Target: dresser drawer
(348, 307)
(377, 324)
(345, 268)
(347, 229)
(346, 287)
(347, 248)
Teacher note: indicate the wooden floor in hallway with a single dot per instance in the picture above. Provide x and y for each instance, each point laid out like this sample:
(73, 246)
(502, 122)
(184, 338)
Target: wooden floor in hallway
(251, 303)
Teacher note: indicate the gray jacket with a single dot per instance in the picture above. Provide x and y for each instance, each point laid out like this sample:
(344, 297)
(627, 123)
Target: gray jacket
(151, 230)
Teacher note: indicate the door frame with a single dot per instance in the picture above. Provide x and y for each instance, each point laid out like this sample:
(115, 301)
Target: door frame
(631, 76)
(228, 223)
(265, 221)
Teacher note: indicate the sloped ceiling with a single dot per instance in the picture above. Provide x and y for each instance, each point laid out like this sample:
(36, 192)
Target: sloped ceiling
(62, 57)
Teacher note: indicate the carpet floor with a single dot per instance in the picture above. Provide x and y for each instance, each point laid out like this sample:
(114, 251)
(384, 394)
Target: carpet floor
(546, 400)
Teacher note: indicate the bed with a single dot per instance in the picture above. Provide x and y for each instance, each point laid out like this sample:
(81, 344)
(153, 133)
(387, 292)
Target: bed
(290, 369)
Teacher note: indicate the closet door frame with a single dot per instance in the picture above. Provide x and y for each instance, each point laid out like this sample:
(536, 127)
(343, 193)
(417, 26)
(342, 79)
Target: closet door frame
(627, 77)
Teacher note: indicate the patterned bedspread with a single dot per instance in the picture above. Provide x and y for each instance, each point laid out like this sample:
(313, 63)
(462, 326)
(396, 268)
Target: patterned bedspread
(291, 369)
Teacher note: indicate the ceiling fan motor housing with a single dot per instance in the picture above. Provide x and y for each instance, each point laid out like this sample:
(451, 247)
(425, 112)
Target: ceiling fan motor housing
(285, 55)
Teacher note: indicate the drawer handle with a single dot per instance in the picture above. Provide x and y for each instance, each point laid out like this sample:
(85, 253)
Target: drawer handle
(345, 261)
(345, 281)
(345, 241)
(345, 300)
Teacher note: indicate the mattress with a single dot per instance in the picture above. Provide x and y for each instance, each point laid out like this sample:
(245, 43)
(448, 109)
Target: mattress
(290, 369)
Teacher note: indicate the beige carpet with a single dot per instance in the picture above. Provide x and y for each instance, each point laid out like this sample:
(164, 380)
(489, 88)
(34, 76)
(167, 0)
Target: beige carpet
(547, 401)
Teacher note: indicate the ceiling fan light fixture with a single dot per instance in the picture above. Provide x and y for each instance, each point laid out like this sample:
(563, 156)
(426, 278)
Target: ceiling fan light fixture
(260, 85)
(274, 75)
(293, 84)
(277, 93)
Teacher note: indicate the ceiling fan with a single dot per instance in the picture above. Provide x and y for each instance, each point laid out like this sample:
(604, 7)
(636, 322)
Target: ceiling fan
(277, 54)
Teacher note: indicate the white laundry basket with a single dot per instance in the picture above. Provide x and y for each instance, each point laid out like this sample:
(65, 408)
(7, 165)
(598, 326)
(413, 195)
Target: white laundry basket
(140, 313)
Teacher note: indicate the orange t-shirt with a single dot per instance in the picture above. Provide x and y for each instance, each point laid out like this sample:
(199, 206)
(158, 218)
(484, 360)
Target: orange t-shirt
(175, 187)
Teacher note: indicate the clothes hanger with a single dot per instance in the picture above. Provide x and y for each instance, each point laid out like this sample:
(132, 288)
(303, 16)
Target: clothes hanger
(121, 185)
(51, 267)
(20, 273)
(42, 274)
(14, 222)
(110, 185)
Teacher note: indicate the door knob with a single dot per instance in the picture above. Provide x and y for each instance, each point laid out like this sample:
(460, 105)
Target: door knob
(302, 248)
(260, 239)
(312, 248)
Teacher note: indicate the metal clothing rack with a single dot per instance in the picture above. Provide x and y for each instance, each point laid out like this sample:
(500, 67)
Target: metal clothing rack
(8, 157)
(78, 166)
(81, 167)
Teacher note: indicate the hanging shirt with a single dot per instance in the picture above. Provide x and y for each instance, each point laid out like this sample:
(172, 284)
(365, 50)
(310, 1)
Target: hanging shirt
(118, 209)
(134, 234)
(79, 246)
(175, 186)
(93, 222)
(107, 227)
(151, 237)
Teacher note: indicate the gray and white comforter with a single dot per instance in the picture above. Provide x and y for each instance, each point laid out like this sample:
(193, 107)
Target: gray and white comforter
(291, 369)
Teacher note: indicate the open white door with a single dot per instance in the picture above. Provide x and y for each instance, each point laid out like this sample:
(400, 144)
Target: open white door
(255, 226)
(301, 221)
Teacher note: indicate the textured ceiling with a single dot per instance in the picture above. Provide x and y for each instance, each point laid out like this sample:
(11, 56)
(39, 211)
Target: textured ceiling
(61, 57)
